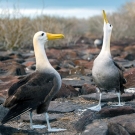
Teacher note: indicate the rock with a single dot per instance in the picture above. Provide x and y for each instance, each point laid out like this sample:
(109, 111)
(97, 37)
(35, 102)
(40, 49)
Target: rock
(6, 82)
(4, 130)
(109, 97)
(130, 57)
(86, 64)
(28, 63)
(96, 128)
(3, 112)
(54, 61)
(122, 125)
(40, 118)
(86, 119)
(125, 63)
(12, 68)
(130, 77)
(116, 111)
(19, 60)
(116, 129)
(62, 107)
(27, 55)
(88, 89)
(2, 99)
(66, 91)
(75, 83)
(16, 70)
(63, 72)
(2, 58)
(78, 70)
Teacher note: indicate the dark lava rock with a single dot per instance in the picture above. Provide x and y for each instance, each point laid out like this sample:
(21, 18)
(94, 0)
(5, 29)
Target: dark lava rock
(64, 72)
(40, 118)
(122, 125)
(111, 112)
(2, 58)
(66, 91)
(13, 131)
(17, 70)
(86, 119)
(19, 60)
(2, 99)
(96, 128)
(88, 89)
(116, 129)
(130, 57)
(11, 68)
(3, 112)
(125, 63)
(109, 97)
(75, 82)
(62, 107)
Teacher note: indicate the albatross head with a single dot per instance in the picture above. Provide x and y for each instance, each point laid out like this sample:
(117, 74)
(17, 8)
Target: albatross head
(42, 37)
(107, 26)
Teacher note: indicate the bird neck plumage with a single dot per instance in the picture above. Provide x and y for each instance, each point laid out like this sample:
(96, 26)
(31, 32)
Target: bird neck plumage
(42, 62)
(106, 43)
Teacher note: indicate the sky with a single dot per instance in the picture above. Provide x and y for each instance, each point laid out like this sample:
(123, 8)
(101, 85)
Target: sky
(63, 8)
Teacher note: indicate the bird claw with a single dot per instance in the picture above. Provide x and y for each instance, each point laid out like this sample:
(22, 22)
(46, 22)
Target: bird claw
(38, 126)
(56, 129)
(95, 108)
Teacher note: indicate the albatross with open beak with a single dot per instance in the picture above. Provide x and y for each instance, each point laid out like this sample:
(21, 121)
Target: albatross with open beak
(35, 91)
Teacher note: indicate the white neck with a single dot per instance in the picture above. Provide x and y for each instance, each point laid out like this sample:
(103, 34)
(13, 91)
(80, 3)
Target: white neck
(42, 62)
(106, 43)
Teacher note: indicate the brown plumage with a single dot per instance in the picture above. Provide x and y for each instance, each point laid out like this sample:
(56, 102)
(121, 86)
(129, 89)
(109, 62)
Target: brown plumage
(35, 91)
(32, 92)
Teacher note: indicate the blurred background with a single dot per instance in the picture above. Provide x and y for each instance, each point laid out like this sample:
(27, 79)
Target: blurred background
(78, 20)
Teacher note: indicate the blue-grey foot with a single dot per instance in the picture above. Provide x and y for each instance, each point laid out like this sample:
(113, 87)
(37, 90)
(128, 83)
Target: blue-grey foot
(81, 111)
(97, 107)
(119, 104)
(37, 126)
(34, 126)
(49, 127)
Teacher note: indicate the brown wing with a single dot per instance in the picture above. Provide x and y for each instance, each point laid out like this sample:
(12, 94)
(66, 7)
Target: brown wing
(18, 84)
(122, 79)
(29, 95)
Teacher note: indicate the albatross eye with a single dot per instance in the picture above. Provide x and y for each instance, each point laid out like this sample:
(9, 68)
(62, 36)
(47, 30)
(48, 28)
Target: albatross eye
(110, 25)
(42, 34)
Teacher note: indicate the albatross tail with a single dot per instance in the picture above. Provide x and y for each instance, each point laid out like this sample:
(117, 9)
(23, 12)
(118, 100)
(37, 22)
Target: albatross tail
(17, 110)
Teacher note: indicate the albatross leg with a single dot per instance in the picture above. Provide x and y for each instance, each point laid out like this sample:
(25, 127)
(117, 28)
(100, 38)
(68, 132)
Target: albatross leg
(31, 123)
(97, 107)
(49, 127)
(119, 104)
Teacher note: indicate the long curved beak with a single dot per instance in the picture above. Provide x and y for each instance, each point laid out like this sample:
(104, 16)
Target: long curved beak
(105, 17)
(54, 36)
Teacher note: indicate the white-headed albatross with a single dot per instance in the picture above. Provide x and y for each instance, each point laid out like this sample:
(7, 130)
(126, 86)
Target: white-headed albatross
(35, 91)
(107, 74)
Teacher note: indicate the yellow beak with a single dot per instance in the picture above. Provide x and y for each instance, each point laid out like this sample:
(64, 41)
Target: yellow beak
(105, 17)
(54, 36)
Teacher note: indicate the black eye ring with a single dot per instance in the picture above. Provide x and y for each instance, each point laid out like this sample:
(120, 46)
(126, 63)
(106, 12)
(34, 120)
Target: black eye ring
(110, 25)
(42, 34)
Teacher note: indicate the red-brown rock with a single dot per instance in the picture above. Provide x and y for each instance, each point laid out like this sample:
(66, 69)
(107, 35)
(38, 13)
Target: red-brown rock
(130, 77)
(66, 91)
(87, 89)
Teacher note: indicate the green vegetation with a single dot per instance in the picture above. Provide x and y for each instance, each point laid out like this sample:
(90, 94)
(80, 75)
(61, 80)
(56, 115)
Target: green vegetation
(18, 31)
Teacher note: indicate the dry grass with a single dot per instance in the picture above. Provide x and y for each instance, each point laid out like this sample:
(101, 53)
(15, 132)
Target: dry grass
(18, 31)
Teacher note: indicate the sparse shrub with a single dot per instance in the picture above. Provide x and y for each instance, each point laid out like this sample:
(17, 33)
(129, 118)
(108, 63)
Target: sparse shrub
(17, 30)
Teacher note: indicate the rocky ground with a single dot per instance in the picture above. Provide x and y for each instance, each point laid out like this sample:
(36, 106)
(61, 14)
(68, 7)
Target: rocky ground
(78, 92)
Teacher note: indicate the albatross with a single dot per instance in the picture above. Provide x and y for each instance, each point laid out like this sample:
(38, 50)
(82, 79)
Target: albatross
(35, 91)
(106, 73)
